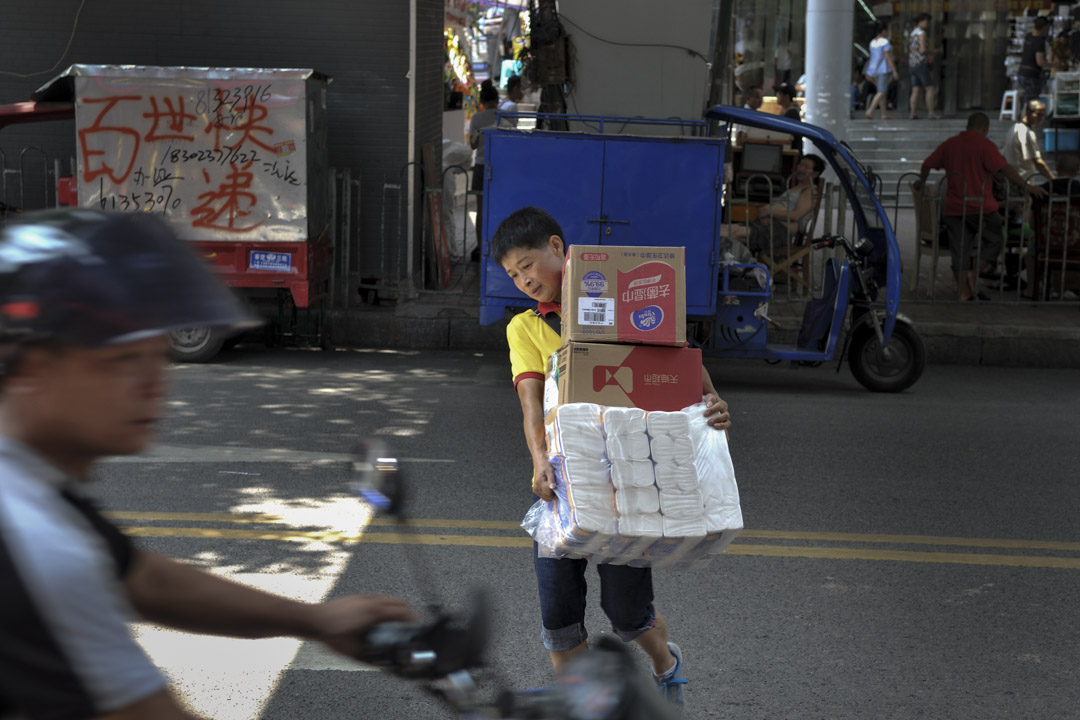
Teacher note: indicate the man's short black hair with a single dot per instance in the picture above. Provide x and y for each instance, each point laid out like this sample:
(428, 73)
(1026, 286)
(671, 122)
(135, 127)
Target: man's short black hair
(1041, 23)
(528, 229)
(513, 82)
(978, 121)
(489, 95)
(922, 16)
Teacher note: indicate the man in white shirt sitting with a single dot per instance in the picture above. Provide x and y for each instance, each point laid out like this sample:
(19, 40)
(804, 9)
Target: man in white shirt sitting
(1022, 146)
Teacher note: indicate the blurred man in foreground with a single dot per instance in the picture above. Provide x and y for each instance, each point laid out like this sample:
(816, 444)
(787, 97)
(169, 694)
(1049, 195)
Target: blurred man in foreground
(86, 301)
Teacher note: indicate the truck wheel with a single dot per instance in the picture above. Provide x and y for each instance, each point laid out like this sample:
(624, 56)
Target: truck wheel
(893, 368)
(195, 344)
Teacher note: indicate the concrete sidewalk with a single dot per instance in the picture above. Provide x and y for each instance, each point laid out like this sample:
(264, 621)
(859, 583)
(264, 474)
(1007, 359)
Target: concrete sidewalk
(1031, 335)
(973, 333)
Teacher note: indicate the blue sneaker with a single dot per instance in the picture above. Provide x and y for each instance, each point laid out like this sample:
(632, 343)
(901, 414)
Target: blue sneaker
(670, 684)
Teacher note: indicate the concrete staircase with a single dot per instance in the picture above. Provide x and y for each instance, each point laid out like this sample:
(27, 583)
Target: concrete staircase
(898, 146)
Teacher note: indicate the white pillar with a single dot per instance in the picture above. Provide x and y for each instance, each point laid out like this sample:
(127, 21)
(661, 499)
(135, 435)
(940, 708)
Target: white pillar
(410, 256)
(829, 28)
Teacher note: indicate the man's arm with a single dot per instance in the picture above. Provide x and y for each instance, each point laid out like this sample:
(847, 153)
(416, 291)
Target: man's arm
(716, 410)
(892, 67)
(924, 172)
(1045, 59)
(184, 597)
(1010, 172)
(1044, 168)
(802, 207)
(531, 394)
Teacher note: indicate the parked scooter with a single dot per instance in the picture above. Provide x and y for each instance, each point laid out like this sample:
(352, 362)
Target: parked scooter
(885, 352)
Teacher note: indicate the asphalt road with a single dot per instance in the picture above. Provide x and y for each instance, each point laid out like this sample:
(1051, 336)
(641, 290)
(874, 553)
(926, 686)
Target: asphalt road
(909, 556)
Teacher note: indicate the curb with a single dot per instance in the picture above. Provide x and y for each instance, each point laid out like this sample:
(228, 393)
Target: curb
(412, 326)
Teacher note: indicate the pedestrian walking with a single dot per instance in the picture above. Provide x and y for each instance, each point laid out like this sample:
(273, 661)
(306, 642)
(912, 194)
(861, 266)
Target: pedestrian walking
(484, 118)
(880, 68)
(529, 246)
(919, 67)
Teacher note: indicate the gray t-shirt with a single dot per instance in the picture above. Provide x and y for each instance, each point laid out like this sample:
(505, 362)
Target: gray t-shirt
(480, 120)
(66, 650)
(789, 199)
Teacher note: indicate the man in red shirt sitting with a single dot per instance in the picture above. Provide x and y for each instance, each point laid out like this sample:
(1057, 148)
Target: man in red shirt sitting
(969, 159)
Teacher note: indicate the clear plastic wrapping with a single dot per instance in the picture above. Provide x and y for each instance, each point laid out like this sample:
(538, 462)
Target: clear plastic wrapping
(650, 489)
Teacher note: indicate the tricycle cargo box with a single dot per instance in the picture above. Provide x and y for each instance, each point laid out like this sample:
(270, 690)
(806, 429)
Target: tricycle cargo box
(222, 154)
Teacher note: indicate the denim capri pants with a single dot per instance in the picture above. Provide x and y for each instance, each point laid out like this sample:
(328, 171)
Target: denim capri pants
(626, 597)
(920, 76)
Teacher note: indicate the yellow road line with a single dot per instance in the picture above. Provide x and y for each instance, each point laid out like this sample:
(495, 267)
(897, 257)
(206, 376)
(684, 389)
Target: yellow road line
(904, 556)
(914, 540)
(824, 553)
(330, 536)
(243, 518)
(1004, 543)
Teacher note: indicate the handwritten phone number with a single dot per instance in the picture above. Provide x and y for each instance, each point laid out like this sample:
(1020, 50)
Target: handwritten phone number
(229, 105)
(225, 156)
(162, 202)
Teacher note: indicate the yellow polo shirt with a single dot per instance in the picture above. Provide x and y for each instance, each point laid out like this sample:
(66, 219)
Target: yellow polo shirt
(531, 341)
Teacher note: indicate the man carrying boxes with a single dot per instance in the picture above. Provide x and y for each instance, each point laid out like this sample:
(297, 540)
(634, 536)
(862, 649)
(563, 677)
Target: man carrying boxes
(606, 295)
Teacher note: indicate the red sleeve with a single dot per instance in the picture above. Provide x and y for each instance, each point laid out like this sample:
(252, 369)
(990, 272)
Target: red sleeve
(934, 161)
(522, 376)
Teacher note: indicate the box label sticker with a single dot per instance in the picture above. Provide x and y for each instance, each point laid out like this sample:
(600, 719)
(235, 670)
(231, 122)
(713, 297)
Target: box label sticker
(596, 311)
(275, 261)
(594, 284)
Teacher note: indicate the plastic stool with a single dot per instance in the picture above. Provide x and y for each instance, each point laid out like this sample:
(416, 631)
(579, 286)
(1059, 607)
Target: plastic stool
(1010, 103)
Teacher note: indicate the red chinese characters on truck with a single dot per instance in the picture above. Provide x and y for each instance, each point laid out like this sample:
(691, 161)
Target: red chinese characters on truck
(191, 157)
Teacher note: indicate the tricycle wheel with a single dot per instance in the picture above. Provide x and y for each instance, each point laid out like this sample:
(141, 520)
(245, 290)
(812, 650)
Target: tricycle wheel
(195, 344)
(893, 368)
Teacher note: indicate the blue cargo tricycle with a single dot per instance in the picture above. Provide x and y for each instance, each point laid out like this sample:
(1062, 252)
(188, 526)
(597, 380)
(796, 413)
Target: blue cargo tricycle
(617, 188)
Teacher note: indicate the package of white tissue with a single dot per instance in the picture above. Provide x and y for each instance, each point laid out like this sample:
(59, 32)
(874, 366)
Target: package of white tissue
(650, 489)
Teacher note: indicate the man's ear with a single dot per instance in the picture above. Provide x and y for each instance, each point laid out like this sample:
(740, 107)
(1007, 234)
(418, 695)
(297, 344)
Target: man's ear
(26, 369)
(557, 246)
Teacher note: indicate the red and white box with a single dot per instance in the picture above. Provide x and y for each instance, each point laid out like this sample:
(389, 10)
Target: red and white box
(641, 376)
(617, 294)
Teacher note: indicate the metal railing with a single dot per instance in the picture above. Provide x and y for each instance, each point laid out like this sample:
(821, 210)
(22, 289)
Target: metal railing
(1040, 239)
(31, 184)
(831, 212)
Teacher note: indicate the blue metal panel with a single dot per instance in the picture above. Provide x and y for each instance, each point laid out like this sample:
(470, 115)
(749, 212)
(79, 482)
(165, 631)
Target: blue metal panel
(667, 193)
(560, 173)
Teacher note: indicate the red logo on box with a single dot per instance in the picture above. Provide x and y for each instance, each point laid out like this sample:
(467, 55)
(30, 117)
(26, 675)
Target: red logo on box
(594, 257)
(654, 378)
(645, 298)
